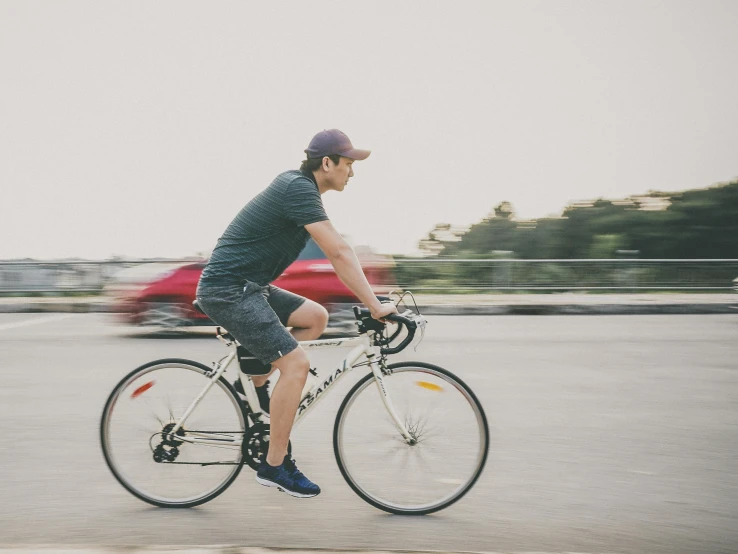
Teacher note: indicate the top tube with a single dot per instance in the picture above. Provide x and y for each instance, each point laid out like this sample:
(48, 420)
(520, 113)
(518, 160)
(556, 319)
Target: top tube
(331, 343)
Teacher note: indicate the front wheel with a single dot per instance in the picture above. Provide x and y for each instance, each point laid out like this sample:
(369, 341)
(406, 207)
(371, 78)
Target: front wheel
(445, 457)
(189, 467)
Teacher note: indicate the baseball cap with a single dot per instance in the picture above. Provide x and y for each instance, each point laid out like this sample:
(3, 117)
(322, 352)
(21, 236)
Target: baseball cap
(333, 141)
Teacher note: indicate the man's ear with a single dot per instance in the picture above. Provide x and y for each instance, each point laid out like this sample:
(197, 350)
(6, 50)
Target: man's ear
(326, 163)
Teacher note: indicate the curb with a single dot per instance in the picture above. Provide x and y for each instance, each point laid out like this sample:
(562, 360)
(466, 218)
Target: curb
(53, 307)
(573, 308)
(580, 309)
(209, 549)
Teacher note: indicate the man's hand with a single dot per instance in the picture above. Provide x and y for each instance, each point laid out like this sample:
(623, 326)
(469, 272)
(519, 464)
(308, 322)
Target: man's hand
(383, 311)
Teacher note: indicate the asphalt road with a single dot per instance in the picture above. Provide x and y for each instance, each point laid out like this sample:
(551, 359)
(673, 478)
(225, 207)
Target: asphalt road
(609, 434)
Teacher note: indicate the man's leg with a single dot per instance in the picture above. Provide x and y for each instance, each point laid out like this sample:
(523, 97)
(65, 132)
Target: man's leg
(308, 323)
(279, 470)
(293, 371)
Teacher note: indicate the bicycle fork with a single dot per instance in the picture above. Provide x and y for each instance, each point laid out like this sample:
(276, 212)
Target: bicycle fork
(385, 396)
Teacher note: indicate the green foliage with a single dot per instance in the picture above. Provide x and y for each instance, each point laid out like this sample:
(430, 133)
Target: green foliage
(605, 246)
(686, 225)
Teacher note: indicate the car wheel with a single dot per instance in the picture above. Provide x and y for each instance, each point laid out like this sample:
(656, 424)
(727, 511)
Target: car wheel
(166, 316)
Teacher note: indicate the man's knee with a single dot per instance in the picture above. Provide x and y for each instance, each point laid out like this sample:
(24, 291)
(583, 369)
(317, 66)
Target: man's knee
(310, 315)
(294, 364)
(321, 318)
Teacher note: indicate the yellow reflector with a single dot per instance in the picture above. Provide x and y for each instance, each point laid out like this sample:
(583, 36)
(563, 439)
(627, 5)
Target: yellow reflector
(429, 386)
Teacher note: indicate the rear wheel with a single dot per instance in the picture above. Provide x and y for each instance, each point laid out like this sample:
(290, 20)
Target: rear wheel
(186, 469)
(435, 469)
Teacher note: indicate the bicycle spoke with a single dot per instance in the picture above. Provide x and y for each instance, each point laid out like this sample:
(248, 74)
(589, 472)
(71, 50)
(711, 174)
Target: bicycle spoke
(169, 407)
(172, 469)
(446, 422)
(154, 414)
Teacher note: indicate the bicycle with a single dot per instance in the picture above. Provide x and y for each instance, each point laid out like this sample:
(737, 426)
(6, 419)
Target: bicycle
(185, 415)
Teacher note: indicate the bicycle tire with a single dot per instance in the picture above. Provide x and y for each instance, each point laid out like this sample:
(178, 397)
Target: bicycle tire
(107, 447)
(442, 375)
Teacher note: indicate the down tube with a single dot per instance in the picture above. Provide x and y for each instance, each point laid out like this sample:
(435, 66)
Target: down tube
(318, 391)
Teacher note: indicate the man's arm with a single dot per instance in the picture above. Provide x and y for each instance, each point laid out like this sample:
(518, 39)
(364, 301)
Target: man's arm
(347, 266)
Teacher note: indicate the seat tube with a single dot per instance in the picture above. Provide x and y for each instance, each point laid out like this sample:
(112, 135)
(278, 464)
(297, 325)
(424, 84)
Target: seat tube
(249, 391)
(213, 378)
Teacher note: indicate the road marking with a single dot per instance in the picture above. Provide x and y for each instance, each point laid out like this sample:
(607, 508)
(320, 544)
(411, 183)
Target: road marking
(56, 317)
(447, 481)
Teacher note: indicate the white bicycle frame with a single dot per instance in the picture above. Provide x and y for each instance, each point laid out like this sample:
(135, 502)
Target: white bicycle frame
(363, 354)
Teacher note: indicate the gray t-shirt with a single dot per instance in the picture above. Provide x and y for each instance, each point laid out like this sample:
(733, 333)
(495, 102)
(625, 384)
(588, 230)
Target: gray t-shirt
(268, 234)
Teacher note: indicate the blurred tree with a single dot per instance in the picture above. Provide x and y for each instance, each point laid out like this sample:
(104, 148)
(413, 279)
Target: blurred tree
(496, 232)
(437, 239)
(605, 246)
(504, 211)
(691, 224)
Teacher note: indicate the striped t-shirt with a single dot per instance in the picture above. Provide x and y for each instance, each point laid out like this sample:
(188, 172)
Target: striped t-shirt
(268, 234)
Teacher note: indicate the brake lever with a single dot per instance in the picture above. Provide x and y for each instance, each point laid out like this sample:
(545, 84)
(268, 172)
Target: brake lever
(420, 321)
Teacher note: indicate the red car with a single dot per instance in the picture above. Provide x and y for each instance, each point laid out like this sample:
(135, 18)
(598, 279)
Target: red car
(162, 295)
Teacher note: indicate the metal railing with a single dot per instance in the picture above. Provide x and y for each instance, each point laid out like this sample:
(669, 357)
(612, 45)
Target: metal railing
(424, 274)
(59, 277)
(619, 275)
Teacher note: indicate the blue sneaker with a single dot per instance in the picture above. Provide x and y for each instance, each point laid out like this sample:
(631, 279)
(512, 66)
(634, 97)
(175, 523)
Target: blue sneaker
(287, 478)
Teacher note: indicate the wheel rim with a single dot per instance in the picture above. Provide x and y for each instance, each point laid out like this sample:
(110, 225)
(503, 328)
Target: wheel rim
(446, 461)
(142, 406)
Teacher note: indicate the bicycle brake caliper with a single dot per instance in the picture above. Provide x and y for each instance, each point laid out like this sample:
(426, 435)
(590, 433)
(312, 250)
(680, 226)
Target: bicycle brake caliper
(383, 366)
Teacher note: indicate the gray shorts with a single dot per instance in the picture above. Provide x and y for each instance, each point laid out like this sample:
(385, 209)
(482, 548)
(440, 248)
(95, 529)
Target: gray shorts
(255, 315)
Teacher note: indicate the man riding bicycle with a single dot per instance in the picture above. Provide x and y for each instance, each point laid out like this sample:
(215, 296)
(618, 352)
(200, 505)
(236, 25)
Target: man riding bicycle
(264, 238)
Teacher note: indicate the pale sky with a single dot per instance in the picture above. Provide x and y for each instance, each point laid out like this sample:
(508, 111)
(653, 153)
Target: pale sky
(141, 128)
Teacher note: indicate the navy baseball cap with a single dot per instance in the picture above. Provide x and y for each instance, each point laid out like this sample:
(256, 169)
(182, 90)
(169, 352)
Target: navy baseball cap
(333, 141)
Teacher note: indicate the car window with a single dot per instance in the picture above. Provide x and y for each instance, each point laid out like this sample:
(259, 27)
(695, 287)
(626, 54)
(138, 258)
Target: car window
(311, 252)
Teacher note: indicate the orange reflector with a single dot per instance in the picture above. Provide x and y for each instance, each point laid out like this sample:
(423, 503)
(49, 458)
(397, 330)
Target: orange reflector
(429, 386)
(142, 389)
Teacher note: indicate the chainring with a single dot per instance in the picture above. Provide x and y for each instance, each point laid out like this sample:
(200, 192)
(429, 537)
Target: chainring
(256, 445)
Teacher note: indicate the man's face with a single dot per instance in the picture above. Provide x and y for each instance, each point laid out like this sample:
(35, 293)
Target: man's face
(339, 174)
